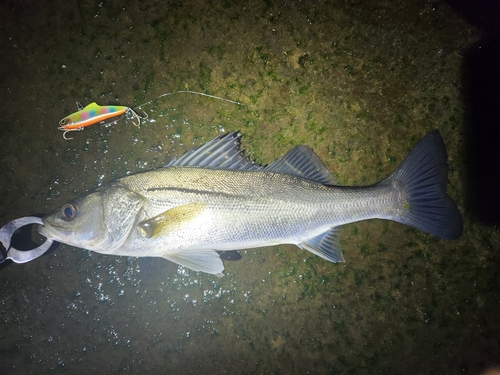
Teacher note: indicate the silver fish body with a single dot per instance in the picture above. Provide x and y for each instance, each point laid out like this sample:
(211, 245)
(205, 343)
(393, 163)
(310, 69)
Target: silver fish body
(214, 199)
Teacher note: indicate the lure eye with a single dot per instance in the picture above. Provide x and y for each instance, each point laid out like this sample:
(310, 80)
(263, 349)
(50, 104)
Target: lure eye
(69, 211)
(65, 121)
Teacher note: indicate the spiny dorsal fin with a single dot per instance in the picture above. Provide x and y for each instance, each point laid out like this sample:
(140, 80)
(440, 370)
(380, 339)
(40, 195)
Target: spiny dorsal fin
(303, 162)
(222, 152)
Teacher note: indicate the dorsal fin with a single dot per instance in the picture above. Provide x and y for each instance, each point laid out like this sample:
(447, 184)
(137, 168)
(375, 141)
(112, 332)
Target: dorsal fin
(89, 106)
(303, 162)
(222, 152)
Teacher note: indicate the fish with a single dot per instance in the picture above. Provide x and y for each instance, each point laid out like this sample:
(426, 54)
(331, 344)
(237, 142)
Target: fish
(94, 114)
(213, 198)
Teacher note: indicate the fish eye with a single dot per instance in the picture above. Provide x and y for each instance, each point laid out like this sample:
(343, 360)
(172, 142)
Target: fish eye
(62, 122)
(69, 211)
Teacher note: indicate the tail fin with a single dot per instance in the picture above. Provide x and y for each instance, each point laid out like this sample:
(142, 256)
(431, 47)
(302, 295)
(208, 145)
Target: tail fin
(423, 174)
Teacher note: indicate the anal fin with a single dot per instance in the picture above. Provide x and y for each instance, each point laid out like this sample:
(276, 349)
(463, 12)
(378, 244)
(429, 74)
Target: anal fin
(326, 246)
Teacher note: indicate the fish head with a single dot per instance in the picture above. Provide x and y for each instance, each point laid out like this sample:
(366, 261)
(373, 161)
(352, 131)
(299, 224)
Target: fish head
(79, 222)
(100, 221)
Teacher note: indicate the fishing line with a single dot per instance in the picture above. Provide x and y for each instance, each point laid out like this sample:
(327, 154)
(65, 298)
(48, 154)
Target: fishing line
(190, 92)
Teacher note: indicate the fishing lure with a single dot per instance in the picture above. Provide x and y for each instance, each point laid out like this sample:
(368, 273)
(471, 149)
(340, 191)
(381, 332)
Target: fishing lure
(94, 114)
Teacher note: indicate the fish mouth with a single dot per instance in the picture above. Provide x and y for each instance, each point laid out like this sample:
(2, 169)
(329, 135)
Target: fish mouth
(50, 232)
(44, 230)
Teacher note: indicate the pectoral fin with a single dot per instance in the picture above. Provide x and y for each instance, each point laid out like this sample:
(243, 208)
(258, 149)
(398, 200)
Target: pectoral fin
(171, 220)
(198, 260)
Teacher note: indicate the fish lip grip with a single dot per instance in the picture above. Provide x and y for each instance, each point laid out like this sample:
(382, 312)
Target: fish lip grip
(18, 256)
